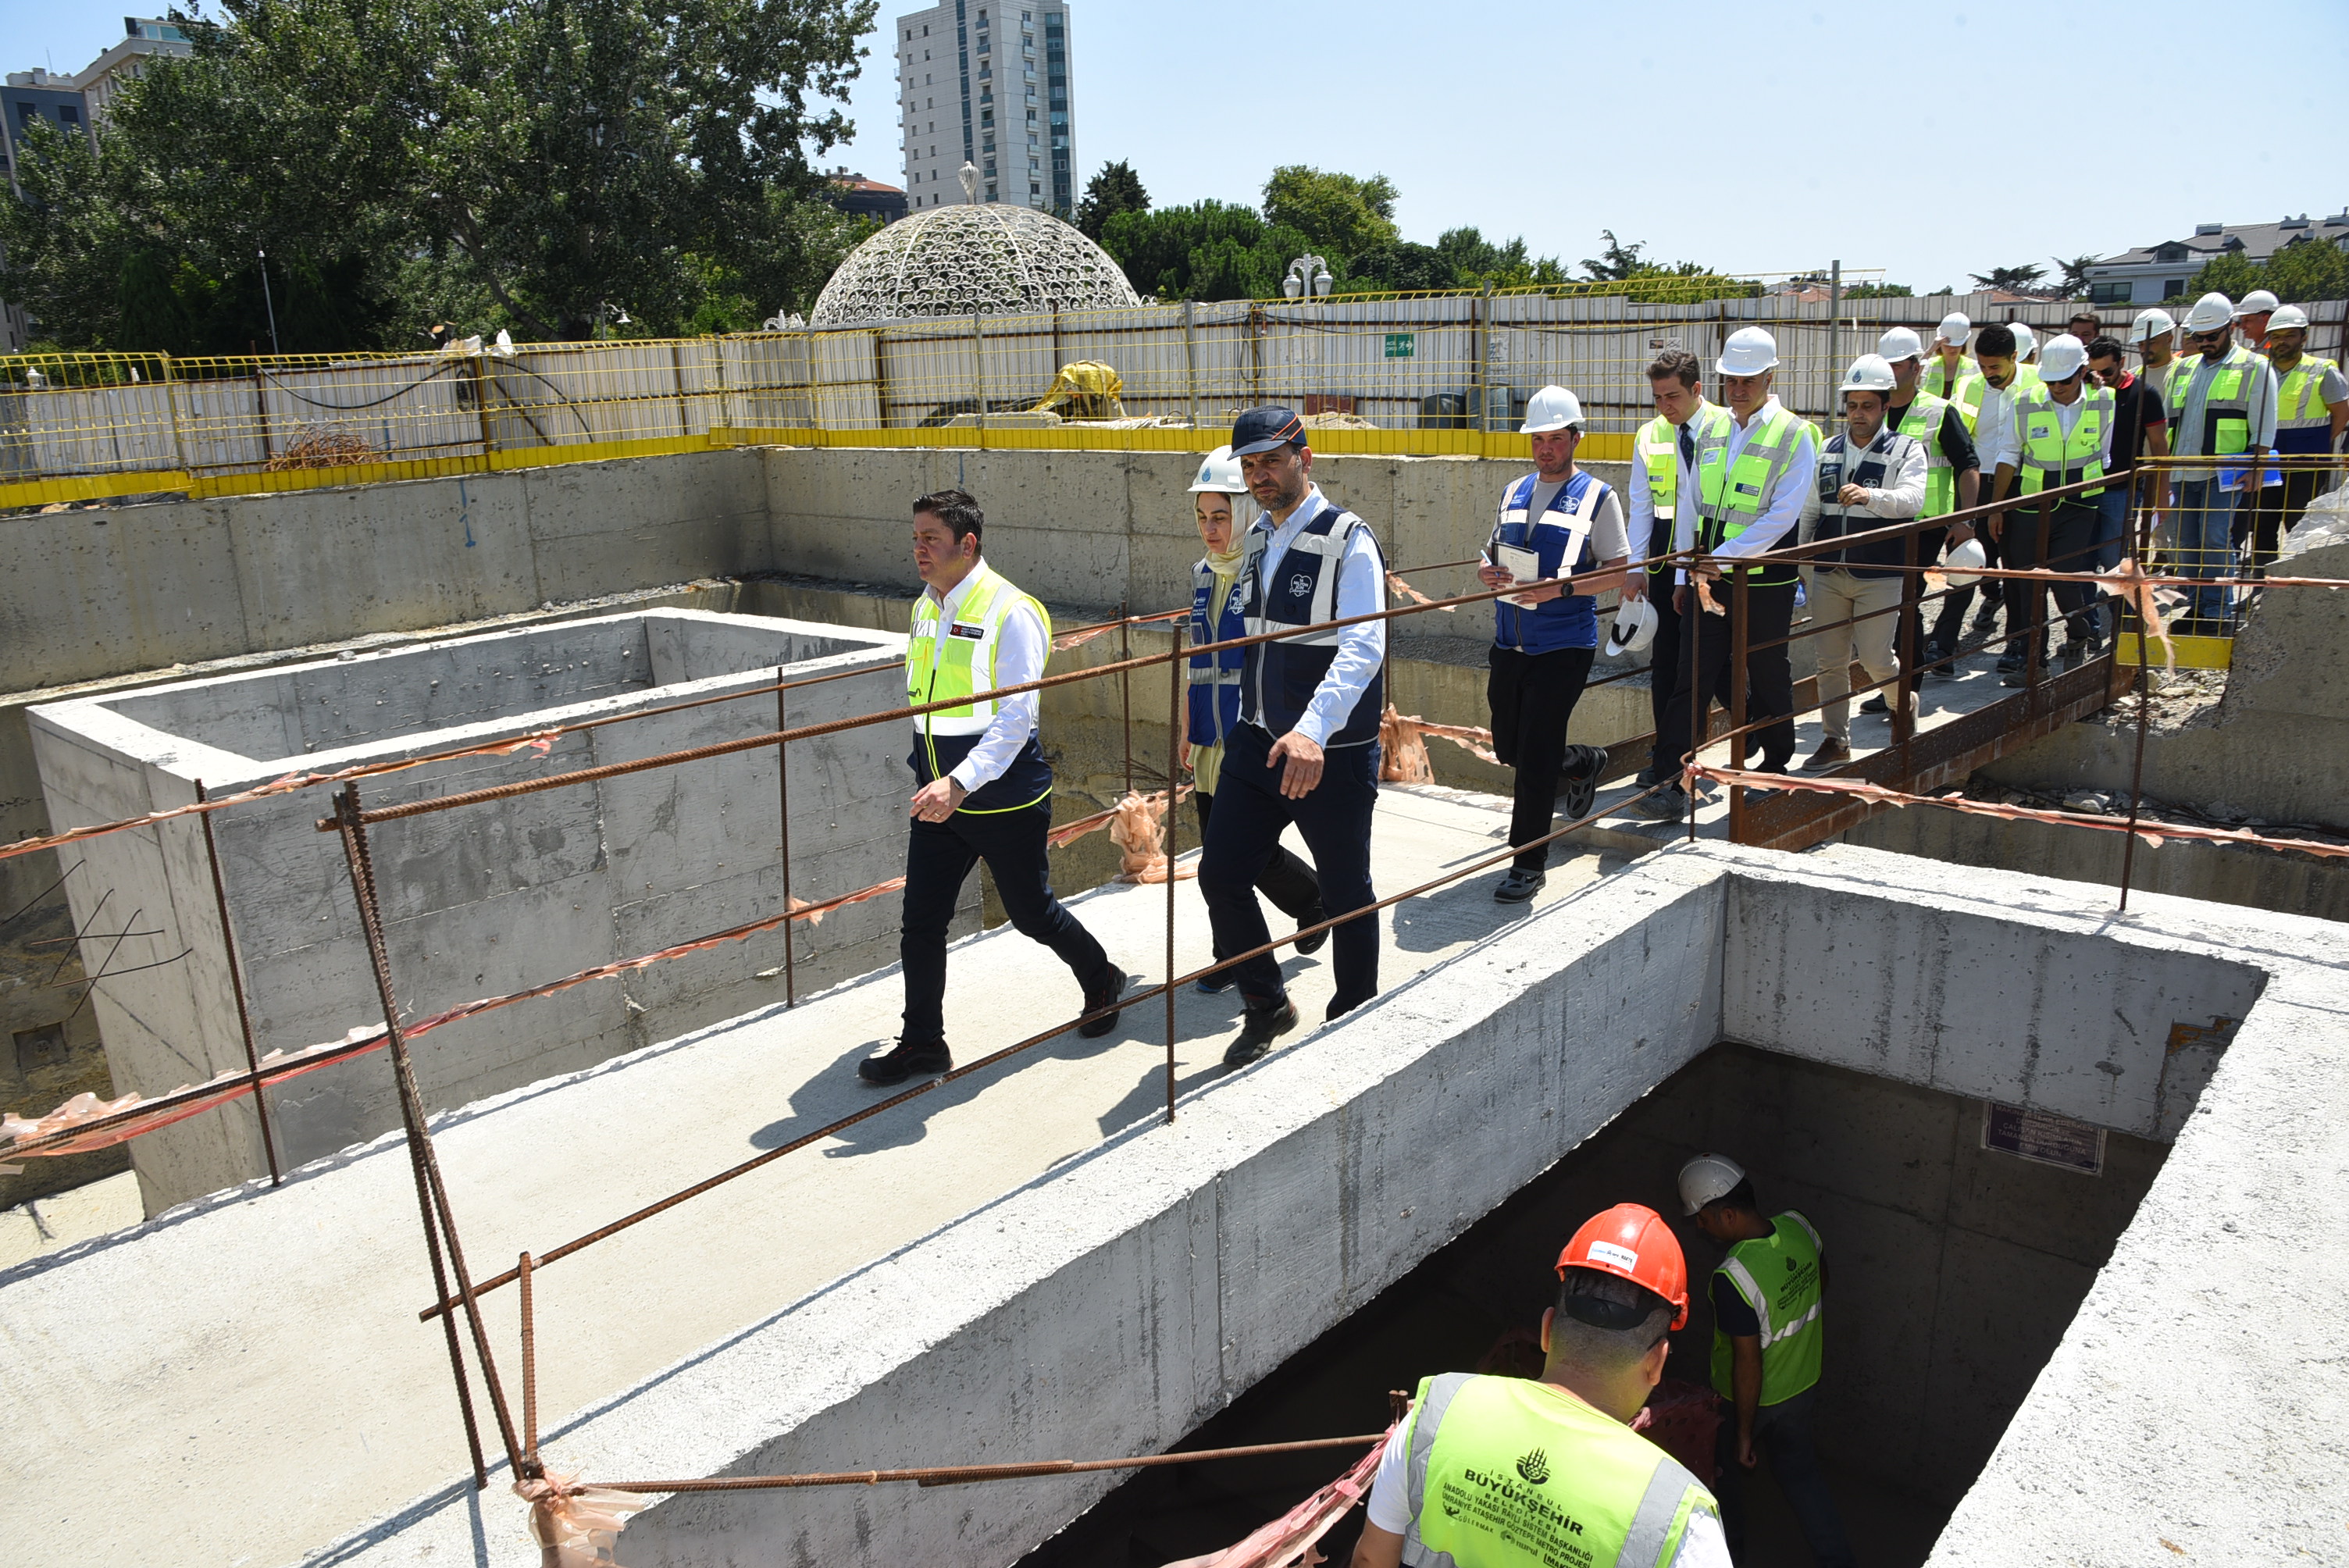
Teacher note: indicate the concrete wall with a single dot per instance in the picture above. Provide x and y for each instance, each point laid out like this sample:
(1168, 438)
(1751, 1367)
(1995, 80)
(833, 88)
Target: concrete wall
(492, 899)
(2275, 747)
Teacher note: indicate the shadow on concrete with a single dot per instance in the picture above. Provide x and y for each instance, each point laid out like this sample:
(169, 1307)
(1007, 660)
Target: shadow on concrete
(1462, 911)
(1148, 1096)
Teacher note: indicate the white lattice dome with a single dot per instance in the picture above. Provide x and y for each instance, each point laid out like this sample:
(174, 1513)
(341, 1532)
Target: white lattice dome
(975, 256)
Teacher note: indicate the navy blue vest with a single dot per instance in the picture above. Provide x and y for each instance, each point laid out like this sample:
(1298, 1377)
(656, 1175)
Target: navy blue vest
(1570, 620)
(1836, 470)
(1280, 678)
(1214, 695)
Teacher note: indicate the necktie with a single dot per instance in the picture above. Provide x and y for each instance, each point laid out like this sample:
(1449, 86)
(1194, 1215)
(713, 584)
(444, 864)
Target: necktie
(1688, 448)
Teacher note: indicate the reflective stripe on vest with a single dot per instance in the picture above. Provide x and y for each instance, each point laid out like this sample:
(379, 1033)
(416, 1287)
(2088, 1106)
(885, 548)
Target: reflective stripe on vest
(962, 662)
(1657, 445)
(2046, 450)
(1731, 495)
(1282, 676)
(2300, 402)
(1559, 540)
(1501, 1472)
(1215, 679)
(2226, 401)
(1922, 424)
(1964, 389)
(1788, 1309)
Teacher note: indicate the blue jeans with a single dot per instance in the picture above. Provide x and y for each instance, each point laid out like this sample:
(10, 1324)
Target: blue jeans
(2205, 516)
(1782, 1432)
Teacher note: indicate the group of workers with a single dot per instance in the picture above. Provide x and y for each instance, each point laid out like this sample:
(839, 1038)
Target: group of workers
(1514, 1473)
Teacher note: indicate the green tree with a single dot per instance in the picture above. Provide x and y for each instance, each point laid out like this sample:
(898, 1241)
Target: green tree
(2012, 280)
(1476, 261)
(1117, 189)
(2073, 283)
(556, 163)
(1879, 290)
(2308, 270)
(1338, 214)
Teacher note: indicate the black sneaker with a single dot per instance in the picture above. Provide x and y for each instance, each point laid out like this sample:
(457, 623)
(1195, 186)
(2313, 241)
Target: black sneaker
(1584, 764)
(906, 1060)
(1104, 994)
(1935, 660)
(1215, 985)
(1519, 885)
(1260, 1027)
(2077, 651)
(1311, 945)
(1875, 704)
(1669, 804)
(2009, 663)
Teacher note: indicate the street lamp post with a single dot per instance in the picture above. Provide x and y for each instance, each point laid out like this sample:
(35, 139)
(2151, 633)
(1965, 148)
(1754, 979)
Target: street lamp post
(1307, 271)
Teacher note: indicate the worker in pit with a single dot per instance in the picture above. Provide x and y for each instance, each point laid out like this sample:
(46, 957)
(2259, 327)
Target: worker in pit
(984, 789)
(1515, 1473)
(1560, 537)
(1224, 510)
(1306, 750)
(1753, 470)
(1769, 1336)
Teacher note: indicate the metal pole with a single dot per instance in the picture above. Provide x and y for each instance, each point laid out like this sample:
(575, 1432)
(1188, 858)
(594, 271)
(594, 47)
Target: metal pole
(236, 989)
(783, 798)
(1739, 607)
(530, 1467)
(1190, 356)
(433, 1189)
(1480, 384)
(2144, 701)
(1700, 701)
(1834, 326)
(978, 375)
(1913, 589)
(1174, 765)
(1125, 689)
(2037, 654)
(268, 301)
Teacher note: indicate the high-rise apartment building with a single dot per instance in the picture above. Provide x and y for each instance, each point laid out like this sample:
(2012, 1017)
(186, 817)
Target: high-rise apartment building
(986, 82)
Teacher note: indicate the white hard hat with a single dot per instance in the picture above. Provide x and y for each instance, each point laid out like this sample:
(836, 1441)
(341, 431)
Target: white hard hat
(1749, 352)
(2255, 302)
(1708, 1178)
(1900, 342)
(1955, 329)
(2286, 317)
(1551, 409)
(1868, 373)
(2062, 359)
(2152, 324)
(1219, 470)
(1634, 628)
(1961, 568)
(2210, 313)
(2026, 342)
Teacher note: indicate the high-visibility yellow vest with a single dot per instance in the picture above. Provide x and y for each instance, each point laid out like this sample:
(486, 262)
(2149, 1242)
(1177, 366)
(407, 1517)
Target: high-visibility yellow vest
(1504, 1472)
(1779, 1277)
(1657, 447)
(2049, 457)
(959, 661)
(1731, 495)
(2300, 403)
(1922, 424)
(1963, 388)
(2226, 400)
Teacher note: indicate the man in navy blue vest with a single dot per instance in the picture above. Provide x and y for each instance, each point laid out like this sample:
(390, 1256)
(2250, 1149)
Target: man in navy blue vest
(1306, 747)
(1554, 523)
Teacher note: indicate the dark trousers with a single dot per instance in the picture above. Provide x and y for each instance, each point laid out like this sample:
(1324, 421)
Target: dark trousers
(2273, 513)
(1769, 679)
(1531, 698)
(1782, 1432)
(1334, 818)
(938, 857)
(1664, 656)
(1289, 881)
(2071, 547)
(1949, 624)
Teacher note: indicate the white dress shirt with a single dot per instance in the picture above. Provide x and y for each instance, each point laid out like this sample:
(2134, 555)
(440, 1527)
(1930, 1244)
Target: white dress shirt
(1362, 590)
(1020, 656)
(1995, 441)
(1783, 510)
(1903, 498)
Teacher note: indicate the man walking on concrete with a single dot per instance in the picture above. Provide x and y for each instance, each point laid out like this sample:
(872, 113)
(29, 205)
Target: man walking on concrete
(1556, 522)
(1306, 750)
(1868, 476)
(1769, 1343)
(2222, 405)
(986, 791)
(1663, 523)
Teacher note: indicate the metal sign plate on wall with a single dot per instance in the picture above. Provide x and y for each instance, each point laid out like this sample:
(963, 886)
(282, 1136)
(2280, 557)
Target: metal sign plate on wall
(1402, 345)
(2047, 1140)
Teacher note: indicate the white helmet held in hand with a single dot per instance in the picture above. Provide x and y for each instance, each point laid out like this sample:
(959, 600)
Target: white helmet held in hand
(1749, 352)
(1219, 470)
(1552, 409)
(1961, 568)
(1956, 330)
(1634, 628)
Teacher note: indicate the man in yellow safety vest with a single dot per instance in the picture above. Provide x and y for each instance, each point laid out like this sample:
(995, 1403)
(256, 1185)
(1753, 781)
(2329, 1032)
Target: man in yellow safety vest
(1513, 1472)
(986, 791)
(2312, 407)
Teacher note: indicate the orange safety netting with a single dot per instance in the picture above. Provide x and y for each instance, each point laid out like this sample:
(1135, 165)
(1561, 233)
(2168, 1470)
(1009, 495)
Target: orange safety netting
(576, 1526)
(1136, 825)
(1402, 745)
(1400, 586)
(1289, 1541)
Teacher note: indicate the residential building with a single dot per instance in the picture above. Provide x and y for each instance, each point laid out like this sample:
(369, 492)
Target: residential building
(38, 95)
(863, 198)
(144, 39)
(2165, 270)
(986, 82)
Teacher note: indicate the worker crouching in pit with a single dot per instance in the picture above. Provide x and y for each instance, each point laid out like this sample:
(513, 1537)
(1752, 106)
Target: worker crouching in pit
(1513, 1472)
(1224, 512)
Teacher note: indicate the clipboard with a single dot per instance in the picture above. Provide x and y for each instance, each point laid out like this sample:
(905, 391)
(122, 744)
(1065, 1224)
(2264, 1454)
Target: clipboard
(1523, 565)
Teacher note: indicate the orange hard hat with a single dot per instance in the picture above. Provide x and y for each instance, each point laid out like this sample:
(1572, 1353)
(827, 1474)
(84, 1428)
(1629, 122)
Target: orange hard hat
(1631, 1241)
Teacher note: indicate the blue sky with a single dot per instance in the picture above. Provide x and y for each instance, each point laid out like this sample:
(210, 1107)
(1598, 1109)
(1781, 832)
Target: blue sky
(1925, 140)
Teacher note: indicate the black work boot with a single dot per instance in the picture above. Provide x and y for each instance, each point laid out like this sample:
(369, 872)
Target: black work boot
(1103, 993)
(1308, 945)
(910, 1058)
(1584, 764)
(1260, 1027)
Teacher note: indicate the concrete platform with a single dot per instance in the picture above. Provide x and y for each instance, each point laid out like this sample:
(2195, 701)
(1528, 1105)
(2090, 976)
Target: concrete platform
(289, 1348)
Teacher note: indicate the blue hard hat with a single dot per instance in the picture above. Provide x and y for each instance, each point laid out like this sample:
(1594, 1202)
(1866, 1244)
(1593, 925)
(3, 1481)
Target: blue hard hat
(1262, 429)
